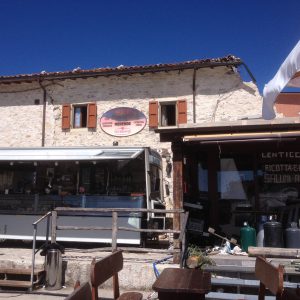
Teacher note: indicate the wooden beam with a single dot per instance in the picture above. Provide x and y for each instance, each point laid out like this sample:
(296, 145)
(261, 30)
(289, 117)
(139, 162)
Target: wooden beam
(213, 163)
(177, 191)
(274, 252)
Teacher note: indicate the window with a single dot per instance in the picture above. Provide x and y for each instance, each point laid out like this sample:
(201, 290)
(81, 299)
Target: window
(79, 116)
(83, 115)
(167, 113)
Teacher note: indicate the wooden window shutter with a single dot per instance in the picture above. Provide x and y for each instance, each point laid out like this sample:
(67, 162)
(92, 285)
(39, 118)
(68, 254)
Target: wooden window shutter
(153, 114)
(92, 115)
(66, 116)
(182, 111)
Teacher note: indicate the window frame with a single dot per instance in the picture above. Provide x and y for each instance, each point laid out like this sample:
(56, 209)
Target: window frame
(83, 105)
(162, 104)
(155, 112)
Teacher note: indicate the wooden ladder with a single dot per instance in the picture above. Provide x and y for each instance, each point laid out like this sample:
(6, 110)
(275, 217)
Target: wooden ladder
(20, 278)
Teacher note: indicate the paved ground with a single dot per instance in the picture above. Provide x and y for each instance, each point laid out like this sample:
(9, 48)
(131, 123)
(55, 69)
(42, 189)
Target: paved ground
(137, 274)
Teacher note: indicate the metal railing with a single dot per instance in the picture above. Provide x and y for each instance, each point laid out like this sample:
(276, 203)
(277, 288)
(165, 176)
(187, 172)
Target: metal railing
(115, 228)
(52, 216)
(34, 250)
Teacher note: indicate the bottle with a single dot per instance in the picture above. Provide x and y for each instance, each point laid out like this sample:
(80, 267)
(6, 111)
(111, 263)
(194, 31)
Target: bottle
(248, 236)
(273, 235)
(260, 231)
(83, 200)
(292, 236)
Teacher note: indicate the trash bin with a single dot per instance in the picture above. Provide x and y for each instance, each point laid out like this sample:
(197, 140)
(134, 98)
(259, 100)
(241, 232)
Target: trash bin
(53, 266)
(273, 235)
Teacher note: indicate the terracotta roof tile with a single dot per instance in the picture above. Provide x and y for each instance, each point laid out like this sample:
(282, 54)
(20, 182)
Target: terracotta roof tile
(77, 72)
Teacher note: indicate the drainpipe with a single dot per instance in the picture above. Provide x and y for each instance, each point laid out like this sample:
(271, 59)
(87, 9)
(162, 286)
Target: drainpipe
(249, 72)
(44, 112)
(194, 96)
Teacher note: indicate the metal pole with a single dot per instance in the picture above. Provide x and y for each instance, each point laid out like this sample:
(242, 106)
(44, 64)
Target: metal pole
(114, 231)
(53, 227)
(33, 255)
(47, 229)
(194, 96)
(44, 113)
(147, 181)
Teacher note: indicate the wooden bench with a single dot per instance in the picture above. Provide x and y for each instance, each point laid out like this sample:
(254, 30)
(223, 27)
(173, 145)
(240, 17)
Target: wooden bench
(82, 292)
(270, 278)
(106, 268)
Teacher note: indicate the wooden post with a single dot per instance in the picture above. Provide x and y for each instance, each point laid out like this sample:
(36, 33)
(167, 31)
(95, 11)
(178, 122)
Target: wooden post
(53, 226)
(177, 193)
(213, 163)
(114, 231)
(182, 237)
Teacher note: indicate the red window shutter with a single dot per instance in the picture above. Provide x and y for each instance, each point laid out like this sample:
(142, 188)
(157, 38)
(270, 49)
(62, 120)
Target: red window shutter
(66, 116)
(182, 111)
(92, 115)
(153, 114)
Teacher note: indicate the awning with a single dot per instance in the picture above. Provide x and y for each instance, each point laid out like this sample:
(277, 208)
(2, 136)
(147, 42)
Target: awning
(241, 136)
(287, 75)
(68, 154)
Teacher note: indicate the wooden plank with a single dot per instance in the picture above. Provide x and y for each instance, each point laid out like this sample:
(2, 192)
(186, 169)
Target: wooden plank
(235, 296)
(177, 192)
(119, 228)
(20, 271)
(230, 269)
(288, 270)
(245, 282)
(15, 283)
(149, 230)
(183, 218)
(83, 228)
(93, 210)
(274, 252)
(132, 249)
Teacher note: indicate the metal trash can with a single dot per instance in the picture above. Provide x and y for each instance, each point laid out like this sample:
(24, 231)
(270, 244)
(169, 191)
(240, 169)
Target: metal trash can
(53, 268)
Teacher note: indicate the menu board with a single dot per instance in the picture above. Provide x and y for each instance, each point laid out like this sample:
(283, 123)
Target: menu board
(281, 167)
(122, 121)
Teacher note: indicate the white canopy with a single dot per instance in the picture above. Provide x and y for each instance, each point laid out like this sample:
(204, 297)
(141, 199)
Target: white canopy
(64, 154)
(285, 76)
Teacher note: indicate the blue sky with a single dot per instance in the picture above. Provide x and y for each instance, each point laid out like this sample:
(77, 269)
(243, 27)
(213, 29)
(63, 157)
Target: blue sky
(60, 35)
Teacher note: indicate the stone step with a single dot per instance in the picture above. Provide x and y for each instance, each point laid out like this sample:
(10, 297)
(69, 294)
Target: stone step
(19, 271)
(19, 277)
(15, 283)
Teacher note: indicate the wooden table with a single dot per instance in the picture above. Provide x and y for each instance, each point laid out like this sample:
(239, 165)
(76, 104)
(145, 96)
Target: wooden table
(182, 284)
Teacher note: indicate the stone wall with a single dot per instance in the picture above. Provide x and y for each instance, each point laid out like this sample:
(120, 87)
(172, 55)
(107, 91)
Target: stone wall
(221, 95)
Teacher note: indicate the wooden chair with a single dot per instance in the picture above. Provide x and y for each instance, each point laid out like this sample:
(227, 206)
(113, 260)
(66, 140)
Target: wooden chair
(291, 294)
(82, 292)
(106, 268)
(270, 278)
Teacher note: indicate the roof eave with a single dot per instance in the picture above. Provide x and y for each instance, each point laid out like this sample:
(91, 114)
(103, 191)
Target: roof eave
(112, 72)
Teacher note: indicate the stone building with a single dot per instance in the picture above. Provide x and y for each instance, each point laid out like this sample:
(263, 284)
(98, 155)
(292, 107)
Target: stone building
(67, 109)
